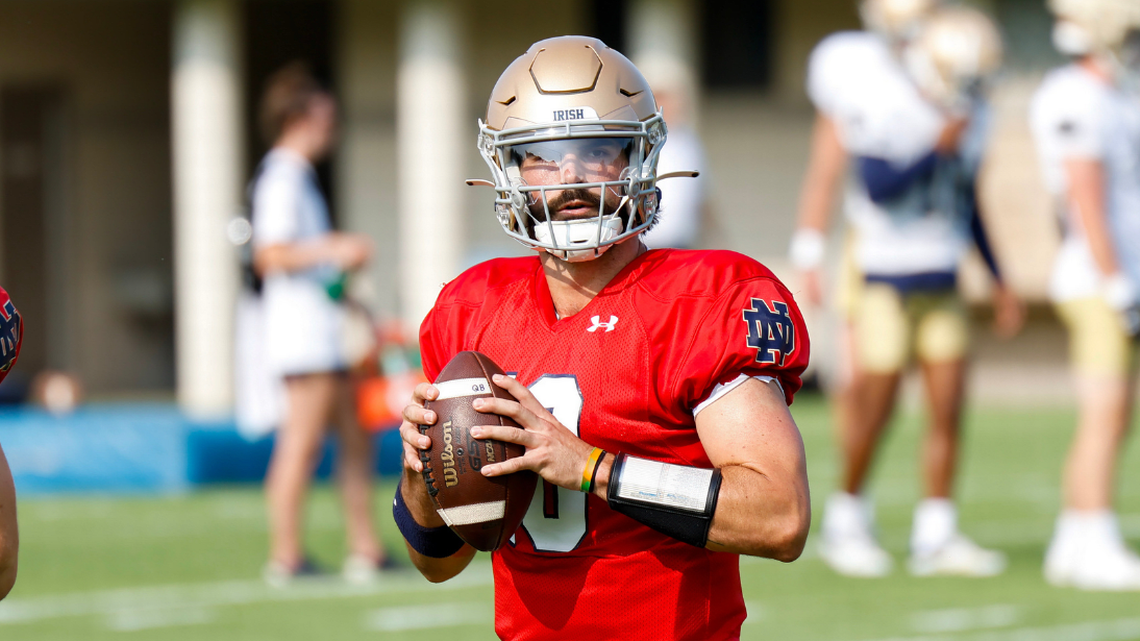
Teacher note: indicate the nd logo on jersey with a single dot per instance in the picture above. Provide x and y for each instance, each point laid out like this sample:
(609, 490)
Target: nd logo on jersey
(770, 331)
(9, 335)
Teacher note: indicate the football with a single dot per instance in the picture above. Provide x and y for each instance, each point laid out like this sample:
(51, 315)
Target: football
(483, 511)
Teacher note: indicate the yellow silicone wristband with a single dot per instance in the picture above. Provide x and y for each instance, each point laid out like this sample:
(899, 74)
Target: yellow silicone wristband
(589, 470)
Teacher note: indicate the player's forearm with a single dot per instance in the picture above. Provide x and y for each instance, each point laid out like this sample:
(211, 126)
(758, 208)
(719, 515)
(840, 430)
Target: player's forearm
(760, 516)
(440, 570)
(436, 570)
(9, 535)
(1086, 196)
(755, 514)
(294, 257)
(823, 176)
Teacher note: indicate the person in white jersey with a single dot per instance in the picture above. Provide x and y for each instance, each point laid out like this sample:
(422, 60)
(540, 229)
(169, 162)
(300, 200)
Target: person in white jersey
(1086, 121)
(906, 110)
(685, 204)
(302, 263)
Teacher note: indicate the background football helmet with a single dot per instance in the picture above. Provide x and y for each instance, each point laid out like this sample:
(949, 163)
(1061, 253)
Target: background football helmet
(1109, 28)
(954, 53)
(567, 91)
(897, 20)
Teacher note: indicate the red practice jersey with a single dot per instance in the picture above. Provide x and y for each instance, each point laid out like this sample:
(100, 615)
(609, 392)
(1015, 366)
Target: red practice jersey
(626, 373)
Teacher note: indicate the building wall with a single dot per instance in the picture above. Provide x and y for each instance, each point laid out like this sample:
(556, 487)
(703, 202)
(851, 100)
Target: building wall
(112, 61)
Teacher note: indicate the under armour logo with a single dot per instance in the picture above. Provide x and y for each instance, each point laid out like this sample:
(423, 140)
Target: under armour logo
(771, 331)
(596, 324)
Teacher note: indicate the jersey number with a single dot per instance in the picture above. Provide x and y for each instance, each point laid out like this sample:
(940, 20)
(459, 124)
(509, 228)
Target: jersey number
(556, 518)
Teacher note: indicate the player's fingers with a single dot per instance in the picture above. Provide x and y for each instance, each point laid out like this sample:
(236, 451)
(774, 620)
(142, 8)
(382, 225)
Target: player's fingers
(521, 393)
(505, 433)
(410, 434)
(417, 415)
(424, 392)
(508, 408)
(412, 458)
(510, 466)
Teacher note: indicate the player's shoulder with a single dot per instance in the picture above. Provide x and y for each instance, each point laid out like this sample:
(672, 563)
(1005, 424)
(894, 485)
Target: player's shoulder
(479, 283)
(703, 273)
(841, 46)
(841, 63)
(1068, 91)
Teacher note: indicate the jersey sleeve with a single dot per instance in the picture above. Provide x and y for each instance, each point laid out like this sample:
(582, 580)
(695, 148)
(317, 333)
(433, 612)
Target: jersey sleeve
(754, 328)
(1069, 118)
(824, 74)
(276, 209)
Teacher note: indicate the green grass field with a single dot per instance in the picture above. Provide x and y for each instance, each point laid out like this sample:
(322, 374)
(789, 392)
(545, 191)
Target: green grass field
(187, 567)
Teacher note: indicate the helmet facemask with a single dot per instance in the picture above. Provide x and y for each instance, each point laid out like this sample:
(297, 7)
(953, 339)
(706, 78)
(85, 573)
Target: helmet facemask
(576, 188)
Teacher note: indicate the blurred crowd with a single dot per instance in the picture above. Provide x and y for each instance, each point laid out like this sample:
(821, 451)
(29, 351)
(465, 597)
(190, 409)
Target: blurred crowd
(902, 129)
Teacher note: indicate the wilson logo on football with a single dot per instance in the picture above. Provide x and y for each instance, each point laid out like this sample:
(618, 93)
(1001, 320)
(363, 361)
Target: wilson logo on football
(771, 331)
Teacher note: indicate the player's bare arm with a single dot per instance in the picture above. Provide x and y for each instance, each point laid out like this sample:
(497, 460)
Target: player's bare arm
(414, 491)
(1086, 182)
(817, 198)
(9, 536)
(342, 250)
(763, 507)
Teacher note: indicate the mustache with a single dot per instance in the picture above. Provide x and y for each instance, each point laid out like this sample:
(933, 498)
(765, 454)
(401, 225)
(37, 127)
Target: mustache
(571, 195)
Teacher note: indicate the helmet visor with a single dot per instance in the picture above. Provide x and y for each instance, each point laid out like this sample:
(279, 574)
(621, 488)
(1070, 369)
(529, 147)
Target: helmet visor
(573, 160)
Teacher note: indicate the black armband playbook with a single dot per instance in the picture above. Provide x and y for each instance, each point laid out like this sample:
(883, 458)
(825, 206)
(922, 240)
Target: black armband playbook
(676, 500)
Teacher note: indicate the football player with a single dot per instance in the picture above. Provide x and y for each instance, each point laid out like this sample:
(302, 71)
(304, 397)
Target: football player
(1086, 121)
(661, 363)
(902, 101)
(11, 337)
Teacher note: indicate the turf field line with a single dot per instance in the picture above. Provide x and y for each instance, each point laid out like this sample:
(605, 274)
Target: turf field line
(223, 593)
(1111, 630)
(135, 620)
(424, 617)
(962, 619)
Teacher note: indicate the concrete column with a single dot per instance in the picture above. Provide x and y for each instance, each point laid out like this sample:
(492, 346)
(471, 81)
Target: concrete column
(207, 162)
(433, 137)
(663, 43)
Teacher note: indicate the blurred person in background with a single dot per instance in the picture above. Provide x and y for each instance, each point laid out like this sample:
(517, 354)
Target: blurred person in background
(303, 265)
(11, 337)
(684, 203)
(1086, 121)
(903, 101)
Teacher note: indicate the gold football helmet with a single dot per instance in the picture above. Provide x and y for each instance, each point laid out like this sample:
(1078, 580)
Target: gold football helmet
(897, 20)
(572, 111)
(956, 51)
(1109, 28)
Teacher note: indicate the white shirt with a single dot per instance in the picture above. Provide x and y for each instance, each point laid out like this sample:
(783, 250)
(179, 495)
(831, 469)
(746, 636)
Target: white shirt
(856, 80)
(1075, 115)
(682, 199)
(302, 323)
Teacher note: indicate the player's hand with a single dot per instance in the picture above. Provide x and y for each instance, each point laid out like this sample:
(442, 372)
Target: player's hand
(951, 135)
(811, 283)
(1009, 312)
(552, 450)
(1122, 296)
(414, 416)
(350, 251)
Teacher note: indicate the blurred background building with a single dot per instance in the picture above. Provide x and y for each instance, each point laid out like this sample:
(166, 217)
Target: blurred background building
(127, 138)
